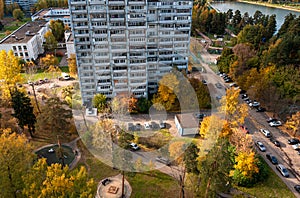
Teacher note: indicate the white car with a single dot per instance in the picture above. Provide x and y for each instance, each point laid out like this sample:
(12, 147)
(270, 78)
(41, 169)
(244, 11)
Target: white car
(275, 123)
(254, 104)
(284, 172)
(147, 125)
(134, 146)
(296, 146)
(265, 132)
(261, 147)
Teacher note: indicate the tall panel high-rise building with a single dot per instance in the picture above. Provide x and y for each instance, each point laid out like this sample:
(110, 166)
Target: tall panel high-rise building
(126, 46)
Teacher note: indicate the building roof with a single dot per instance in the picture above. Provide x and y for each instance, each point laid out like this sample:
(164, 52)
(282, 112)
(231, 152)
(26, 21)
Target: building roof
(187, 120)
(24, 33)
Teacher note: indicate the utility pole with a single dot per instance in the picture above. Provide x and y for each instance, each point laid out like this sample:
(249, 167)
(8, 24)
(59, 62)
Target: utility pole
(36, 102)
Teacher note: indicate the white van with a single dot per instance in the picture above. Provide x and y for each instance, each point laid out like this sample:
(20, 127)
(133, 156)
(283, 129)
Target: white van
(65, 76)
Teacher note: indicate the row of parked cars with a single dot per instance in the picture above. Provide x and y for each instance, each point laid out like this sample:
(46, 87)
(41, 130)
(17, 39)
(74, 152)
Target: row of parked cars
(39, 82)
(147, 126)
(280, 167)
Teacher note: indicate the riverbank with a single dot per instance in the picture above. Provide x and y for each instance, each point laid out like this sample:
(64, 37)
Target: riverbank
(279, 6)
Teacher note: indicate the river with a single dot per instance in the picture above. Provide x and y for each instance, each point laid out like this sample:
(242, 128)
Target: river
(251, 9)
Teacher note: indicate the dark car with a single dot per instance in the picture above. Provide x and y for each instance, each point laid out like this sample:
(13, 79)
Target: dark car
(297, 188)
(275, 142)
(272, 158)
(260, 109)
(293, 141)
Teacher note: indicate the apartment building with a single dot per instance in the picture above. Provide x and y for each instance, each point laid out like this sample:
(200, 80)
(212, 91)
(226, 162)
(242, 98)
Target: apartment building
(126, 46)
(27, 41)
(62, 14)
(24, 4)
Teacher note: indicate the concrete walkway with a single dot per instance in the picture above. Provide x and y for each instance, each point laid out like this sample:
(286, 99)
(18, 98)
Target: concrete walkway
(113, 188)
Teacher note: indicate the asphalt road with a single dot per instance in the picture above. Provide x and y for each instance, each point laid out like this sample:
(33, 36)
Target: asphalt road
(257, 120)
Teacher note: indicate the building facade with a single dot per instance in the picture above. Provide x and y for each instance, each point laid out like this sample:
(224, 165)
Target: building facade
(126, 46)
(27, 41)
(24, 4)
(62, 14)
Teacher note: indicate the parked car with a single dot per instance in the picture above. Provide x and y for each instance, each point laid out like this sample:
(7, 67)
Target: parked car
(200, 115)
(204, 82)
(297, 188)
(271, 120)
(162, 124)
(134, 146)
(296, 146)
(138, 126)
(163, 160)
(218, 98)
(260, 109)
(130, 126)
(147, 125)
(266, 132)
(275, 142)
(272, 158)
(261, 146)
(284, 172)
(293, 141)
(218, 85)
(254, 104)
(275, 123)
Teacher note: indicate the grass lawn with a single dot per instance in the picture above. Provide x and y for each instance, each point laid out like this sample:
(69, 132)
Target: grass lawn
(148, 184)
(271, 187)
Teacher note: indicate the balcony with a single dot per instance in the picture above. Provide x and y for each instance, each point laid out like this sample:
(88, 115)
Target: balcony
(93, 2)
(81, 35)
(130, 2)
(78, 2)
(117, 2)
(79, 11)
(84, 27)
(79, 19)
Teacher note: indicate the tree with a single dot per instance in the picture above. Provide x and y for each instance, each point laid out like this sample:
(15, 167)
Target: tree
(57, 181)
(143, 105)
(286, 24)
(54, 70)
(15, 160)
(176, 150)
(214, 168)
(1, 9)
(72, 65)
(23, 111)
(236, 19)
(18, 14)
(190, 158)
(10, 72)
(48, 60)
(293, 123)
(54, 117)
(234, 112)
(166, 97)
(50, 41)
(57, 28)
(99, 102)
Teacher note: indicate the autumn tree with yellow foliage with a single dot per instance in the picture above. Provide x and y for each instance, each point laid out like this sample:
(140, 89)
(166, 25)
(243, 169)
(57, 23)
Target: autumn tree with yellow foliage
(56, 181)
(235, 113)
(10, 73)
(16, 158)
(72, 65)
(48, 60)
(293, 124)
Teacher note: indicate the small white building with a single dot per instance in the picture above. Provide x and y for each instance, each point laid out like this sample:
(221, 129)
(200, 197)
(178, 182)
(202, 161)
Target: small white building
(69, 43)
(27, 41)
(187, 124)
(62, 14)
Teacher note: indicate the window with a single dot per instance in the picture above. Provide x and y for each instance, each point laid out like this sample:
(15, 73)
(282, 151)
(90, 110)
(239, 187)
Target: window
(26, 53)
(21, 54)
(24, 47)
(14, 48)
(20, 48)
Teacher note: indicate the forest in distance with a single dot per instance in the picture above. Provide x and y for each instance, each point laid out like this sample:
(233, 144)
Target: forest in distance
(263, 63)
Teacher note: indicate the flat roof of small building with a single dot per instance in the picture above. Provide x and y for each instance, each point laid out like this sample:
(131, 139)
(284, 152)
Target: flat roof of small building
(187, 120)
(24, 33)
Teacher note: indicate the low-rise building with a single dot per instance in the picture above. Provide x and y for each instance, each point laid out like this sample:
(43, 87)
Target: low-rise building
(27, 41)
(187, 124)
(62, 14)
(69, 43)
